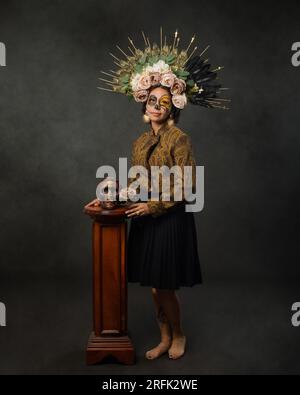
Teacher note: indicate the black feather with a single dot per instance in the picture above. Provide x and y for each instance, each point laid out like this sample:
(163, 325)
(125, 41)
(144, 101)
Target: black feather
(201, 74)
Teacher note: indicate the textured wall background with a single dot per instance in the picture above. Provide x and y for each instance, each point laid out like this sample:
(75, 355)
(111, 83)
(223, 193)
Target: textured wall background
(57, 128)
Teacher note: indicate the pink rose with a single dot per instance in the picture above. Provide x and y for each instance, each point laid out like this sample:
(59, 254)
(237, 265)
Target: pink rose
(178, 87)
(168, 79)
(144, 83)
(141, 95)
(155, 78)
(179, 101)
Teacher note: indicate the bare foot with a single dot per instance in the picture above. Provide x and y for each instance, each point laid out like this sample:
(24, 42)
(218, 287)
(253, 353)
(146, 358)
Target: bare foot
(159, 350)
(177, 348)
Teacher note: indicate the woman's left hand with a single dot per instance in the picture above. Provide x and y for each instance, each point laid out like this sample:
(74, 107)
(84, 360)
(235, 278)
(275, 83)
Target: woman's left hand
(138, 210)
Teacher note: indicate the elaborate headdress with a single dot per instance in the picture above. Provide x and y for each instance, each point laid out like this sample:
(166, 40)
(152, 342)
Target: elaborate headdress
(188, 76)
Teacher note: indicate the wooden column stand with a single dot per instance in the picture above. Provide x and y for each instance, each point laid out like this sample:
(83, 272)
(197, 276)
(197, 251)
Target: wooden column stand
(110, 335)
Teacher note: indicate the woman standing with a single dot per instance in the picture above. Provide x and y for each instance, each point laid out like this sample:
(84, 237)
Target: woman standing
(162, 243)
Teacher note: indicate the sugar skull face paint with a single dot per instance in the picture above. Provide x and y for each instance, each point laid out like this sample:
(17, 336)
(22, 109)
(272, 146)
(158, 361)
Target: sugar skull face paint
(164, 102)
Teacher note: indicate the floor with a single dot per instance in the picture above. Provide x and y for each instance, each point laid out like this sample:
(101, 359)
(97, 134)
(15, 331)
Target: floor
(231, 327)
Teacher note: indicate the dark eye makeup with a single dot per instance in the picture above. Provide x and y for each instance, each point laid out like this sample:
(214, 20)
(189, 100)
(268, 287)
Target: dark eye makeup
(164, 101)
(152, 99)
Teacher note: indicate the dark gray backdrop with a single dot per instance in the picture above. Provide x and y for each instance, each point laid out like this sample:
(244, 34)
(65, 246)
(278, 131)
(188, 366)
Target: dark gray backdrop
(57, 128)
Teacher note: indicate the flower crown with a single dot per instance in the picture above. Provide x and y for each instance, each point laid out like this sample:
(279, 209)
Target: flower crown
(188, 77)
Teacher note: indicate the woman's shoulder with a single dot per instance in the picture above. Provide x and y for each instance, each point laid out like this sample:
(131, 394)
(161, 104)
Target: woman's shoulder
(179, 131)
(178, 134)
(141, 137)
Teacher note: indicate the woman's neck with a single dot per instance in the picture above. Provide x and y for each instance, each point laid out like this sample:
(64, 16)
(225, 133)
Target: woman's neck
(156, 126)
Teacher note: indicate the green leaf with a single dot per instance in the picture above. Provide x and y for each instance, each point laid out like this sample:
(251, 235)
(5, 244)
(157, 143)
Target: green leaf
(138, 68)
(190, 83)
(150, 60)
(170, 58)
(125, 78)
(182, 73)
(143, 59)
(153, 59)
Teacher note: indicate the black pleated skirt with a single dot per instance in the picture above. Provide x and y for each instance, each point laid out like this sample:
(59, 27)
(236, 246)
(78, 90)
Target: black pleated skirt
(162, 252)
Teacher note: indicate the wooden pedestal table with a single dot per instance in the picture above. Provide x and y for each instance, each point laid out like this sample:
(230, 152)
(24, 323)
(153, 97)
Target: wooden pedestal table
(110, 335)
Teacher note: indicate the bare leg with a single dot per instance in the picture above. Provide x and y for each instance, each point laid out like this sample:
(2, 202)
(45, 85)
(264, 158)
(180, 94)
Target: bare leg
(170, 304)
(165, 330)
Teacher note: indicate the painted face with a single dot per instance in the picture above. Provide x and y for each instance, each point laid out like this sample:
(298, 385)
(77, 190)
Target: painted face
(164, 101)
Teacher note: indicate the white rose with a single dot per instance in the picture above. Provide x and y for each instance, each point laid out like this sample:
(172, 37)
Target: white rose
(134, 81)
(167, 79)
(155, 78)
(161, 67)
(126, 193)
(144, 82)
(123, 194)
(178, 87)
(141, 95)
(148, 69)
(131, 193)
(179, 101)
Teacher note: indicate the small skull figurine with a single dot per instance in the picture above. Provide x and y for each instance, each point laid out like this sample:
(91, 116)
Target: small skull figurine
(108, 200)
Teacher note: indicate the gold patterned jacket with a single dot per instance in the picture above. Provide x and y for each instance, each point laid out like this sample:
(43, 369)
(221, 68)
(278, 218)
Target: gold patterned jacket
(170, 147)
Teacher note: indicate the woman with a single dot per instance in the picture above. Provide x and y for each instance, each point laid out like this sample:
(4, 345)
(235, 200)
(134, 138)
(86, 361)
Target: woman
(162, 243)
